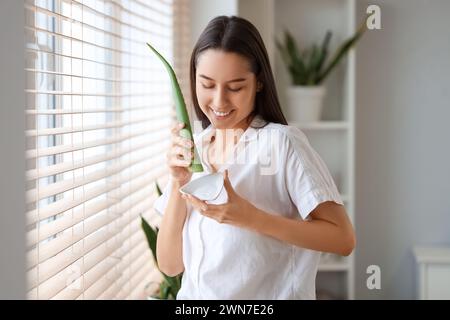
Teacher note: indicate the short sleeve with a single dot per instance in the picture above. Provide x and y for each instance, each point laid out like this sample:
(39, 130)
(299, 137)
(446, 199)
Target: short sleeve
(161, 202)
(308, 179)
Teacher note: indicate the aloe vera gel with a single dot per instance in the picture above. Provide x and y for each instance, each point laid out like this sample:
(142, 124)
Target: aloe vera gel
(181, 111)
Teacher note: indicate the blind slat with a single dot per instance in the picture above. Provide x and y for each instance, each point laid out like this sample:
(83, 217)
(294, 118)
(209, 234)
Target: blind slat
(100, 284)
(55, 264)
(74, 218)
(65, 185)
(33, 153)
(54, 227)
(124, 267)
(89, 26)
(55, 54)
(99, 108)
(117, 124)
(67, 267)
(33, 112)
(111, 293)
(64, 166)
(83, 42)
(137, 181)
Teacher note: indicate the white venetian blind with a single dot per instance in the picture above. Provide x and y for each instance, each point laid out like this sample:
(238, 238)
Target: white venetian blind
(99, 108)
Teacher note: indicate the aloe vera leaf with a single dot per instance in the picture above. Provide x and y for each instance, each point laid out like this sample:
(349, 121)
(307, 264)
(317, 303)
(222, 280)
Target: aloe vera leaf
(324, 50)
(314, 59)
(158, 189)
(340, 53)
(181, 111)
(291, 47)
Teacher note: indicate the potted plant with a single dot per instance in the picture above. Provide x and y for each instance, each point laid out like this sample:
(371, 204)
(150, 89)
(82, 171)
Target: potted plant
(169, 287)
(308, 69)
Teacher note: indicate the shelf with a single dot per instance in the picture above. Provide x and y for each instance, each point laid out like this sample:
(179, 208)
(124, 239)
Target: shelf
(322, 125)
(333, 266)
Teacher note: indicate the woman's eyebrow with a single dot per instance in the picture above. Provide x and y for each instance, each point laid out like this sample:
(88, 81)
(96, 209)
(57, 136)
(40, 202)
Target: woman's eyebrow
(234, 80)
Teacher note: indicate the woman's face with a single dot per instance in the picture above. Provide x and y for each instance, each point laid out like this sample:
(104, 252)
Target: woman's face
(225, 88)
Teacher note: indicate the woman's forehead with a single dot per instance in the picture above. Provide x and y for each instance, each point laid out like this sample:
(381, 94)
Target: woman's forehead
(220, 65)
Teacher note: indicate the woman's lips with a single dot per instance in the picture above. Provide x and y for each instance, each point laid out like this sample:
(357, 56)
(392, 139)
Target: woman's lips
(221, 115)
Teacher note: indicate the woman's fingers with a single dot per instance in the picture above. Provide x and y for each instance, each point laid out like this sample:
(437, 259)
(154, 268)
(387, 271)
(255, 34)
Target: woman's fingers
(179, 156)
(177, 139)
(176, 127)
(181, 147)
(182, 142)
(197, 203)
(181, 153)
(173, 162)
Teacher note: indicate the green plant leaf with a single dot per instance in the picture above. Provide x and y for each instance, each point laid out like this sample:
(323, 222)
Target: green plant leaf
(151, 235)
(172, 281)
(296, 58)
(158, 189)
(180, 108)
(313, 61)
(342, 51)
(164, 290)
(298, 79)
(323, 54)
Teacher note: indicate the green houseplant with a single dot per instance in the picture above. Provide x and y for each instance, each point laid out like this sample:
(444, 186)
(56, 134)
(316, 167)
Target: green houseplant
(169, 286)
(308, 68)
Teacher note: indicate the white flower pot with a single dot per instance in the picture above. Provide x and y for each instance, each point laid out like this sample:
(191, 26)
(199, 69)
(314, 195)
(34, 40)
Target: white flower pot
(304, 103)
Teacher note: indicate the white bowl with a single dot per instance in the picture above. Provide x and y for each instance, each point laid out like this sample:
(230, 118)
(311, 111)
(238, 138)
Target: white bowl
(208, 188)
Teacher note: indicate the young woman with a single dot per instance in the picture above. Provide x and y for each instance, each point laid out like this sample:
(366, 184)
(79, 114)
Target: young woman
(283, 206)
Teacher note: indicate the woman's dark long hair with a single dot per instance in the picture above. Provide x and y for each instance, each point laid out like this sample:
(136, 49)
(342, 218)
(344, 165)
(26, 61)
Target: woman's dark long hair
(237, 35)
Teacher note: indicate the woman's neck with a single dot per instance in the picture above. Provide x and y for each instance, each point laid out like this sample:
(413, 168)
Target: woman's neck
(230, 136)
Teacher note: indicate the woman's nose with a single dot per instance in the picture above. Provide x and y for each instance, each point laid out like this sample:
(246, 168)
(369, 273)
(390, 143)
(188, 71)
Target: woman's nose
(220, 98)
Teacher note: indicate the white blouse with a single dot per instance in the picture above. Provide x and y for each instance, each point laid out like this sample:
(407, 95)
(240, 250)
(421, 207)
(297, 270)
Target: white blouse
(276, 169)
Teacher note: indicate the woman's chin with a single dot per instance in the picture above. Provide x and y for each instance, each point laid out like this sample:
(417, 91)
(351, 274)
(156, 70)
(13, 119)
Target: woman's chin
(222, 122)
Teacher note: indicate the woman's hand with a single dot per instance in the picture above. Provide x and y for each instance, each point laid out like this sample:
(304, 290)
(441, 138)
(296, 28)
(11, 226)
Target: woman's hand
(237, 211)
(179, 156)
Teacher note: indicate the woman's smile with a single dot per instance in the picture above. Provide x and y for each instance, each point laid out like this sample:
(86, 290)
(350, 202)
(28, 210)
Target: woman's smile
(222, 115)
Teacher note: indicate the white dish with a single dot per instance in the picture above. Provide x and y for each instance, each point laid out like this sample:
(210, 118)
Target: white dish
(207, 188)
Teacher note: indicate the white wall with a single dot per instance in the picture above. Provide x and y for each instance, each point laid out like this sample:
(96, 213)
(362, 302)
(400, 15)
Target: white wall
(12, 144)
(204, 10)
(403, 147)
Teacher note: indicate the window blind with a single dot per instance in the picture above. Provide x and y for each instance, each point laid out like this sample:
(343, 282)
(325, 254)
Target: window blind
(99, 109)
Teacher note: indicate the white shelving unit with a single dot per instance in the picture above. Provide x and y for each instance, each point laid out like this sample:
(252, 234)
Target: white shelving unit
(334, 137)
